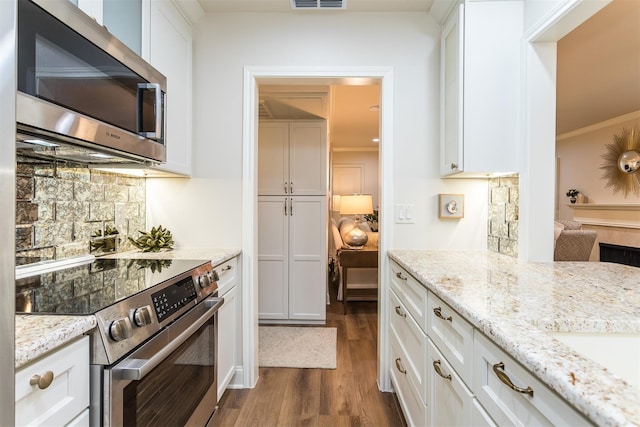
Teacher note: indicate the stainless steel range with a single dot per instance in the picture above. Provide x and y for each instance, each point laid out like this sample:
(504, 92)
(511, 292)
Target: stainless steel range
(153, 354)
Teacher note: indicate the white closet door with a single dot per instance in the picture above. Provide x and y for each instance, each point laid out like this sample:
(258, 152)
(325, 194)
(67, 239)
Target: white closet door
(308, 258)
(273, 250)
(273, 158)
(308, 158)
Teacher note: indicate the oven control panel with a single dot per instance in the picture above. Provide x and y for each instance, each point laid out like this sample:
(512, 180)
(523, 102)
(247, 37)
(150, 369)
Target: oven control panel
(172, 298)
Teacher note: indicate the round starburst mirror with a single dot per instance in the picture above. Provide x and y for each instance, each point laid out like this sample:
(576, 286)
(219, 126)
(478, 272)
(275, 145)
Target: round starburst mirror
(621, 167)
(629, 161)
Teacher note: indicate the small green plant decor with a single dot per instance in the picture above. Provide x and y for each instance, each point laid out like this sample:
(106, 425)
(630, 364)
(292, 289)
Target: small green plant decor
(157, 239)
(572, 194)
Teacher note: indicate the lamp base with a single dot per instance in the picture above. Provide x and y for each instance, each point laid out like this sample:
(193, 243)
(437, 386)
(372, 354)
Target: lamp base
(355, 236)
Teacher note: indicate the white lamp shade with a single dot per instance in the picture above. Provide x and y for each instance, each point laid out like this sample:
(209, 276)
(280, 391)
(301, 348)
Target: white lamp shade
(357, 204)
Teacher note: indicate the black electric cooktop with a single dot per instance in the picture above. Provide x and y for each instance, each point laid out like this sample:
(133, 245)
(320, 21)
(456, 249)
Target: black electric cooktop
(88, 288)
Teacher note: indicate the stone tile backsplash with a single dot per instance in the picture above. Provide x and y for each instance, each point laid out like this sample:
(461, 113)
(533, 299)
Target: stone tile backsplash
(69, 211)
(504, 200)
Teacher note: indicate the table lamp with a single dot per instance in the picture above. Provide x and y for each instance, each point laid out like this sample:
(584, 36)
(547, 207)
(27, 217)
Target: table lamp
(356, 204)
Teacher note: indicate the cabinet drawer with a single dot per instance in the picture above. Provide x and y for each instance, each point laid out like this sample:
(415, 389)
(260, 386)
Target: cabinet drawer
(227, 271)
(480, 417)
(452, 335)
(510, 407)
(67, 395)
(412, 342)
(450, 400)
(412, 294)
(413, 407)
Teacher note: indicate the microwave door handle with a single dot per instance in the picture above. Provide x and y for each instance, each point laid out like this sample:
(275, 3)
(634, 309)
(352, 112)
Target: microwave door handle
(137, 369)
(158, 108)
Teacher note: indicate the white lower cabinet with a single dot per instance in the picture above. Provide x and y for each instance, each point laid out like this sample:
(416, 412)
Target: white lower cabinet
(452, 335)
(229, 323)
(54, 390)
(479, 416)
(467, 380)
(449, 399)
(413, 407)
(292, 259)
(408, 303)
(513, 396)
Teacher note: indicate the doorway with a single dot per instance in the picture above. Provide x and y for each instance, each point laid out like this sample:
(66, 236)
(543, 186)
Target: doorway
(253, 77)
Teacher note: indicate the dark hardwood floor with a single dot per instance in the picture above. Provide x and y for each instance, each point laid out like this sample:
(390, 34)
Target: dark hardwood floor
(346, 396)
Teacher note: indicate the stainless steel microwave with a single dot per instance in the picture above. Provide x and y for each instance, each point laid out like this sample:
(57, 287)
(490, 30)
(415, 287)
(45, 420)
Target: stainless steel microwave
(83, 96)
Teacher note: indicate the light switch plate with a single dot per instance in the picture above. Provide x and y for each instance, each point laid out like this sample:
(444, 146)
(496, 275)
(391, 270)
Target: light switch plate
(404, 214)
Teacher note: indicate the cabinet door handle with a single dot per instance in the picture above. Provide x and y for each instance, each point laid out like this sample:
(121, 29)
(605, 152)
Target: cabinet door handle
(399, 366)
(42, 381)
(438, 313)
(400, 276)
(438, 369)
(291, 206)
(286, 186)
(226, 268)
(400, 312)
(498, 368)
(285, 206)
(454, 166)
(291, 187)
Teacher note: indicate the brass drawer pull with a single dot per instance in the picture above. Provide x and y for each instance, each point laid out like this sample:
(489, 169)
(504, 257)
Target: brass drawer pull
(502, 375)
(400, 367)
(400, 276)
(42, 381)
(400, 312)
(438, 369)
(438, 313)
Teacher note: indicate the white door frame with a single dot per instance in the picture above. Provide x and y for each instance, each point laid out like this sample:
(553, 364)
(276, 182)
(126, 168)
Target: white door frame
(346, 75)
(537, 207)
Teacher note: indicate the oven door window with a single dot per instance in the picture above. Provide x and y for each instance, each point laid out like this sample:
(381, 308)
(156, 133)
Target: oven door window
(170, 393)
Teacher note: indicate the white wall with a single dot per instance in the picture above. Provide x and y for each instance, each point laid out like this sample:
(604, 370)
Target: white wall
(225, 43)
(580, 158)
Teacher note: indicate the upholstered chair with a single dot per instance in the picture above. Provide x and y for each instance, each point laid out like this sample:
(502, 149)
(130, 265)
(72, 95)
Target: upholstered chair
(573, 243)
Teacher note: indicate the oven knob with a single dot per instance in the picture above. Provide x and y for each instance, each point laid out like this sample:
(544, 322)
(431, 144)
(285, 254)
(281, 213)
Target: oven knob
(204, 281)
(142, 316)
(120, 329)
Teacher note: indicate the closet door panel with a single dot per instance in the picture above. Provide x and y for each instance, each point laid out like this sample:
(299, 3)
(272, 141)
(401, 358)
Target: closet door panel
(307, 258)
(273, 250)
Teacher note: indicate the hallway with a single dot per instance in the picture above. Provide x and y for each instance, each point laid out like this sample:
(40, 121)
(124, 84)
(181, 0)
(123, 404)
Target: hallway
(346, 396)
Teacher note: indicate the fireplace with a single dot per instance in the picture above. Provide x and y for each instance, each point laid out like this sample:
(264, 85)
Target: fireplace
(620, 254)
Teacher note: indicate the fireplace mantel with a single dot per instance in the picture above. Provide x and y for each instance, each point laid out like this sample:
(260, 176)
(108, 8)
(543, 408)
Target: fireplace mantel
(607, 215)
(606, 206)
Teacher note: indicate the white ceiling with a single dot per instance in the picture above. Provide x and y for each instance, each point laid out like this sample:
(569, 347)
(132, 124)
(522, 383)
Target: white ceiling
(598, 74)
(285, 5)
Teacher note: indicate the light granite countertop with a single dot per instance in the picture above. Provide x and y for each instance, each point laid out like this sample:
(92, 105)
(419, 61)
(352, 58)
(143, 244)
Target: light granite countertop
(37, 335)
(516, 304)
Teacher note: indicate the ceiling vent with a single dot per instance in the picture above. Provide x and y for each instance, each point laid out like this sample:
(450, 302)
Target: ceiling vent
(263, 110)
(318, 4)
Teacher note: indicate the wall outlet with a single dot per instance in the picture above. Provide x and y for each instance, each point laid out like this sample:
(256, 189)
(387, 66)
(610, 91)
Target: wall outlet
(404, 214)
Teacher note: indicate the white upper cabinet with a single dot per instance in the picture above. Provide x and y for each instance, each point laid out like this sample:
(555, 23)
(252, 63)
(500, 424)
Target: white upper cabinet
(292, 158)
(158, 31)
(170, 52)
(480, 88)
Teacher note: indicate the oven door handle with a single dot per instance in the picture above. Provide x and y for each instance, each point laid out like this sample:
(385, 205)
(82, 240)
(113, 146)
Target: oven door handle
(137, 369)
